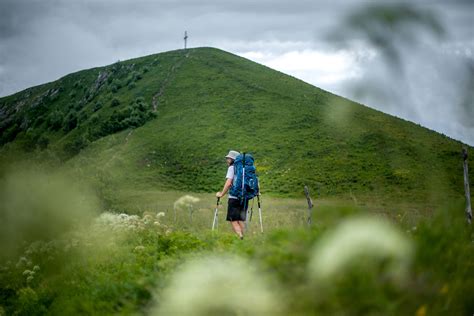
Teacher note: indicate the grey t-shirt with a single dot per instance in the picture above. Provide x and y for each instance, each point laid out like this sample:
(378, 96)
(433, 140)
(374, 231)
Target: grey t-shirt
(230, 175)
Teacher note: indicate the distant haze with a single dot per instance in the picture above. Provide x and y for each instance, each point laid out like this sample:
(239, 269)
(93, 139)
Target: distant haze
(41, 41)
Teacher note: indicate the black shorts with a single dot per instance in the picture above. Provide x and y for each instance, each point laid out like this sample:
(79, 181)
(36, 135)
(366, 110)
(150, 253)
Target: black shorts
(236, 211)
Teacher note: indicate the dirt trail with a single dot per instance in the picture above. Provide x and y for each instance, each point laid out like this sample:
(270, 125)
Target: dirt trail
(155, 101)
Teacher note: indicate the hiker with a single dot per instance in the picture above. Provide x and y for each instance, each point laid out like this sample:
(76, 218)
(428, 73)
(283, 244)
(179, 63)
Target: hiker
(236, 212)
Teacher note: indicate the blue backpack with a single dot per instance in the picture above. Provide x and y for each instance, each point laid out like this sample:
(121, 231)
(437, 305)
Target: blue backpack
(245, 183)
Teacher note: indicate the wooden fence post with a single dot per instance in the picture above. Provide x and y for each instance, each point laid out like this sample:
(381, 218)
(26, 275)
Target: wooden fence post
(310, 205)
(191, 210)
(466, 187)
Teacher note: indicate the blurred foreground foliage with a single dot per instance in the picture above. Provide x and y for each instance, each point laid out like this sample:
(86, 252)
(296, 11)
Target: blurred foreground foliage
(123, 264)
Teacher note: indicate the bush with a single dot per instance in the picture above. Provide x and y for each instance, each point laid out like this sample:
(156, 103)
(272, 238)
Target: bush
(115, 86)
(9, 133)
(28, 140)
(97, 106)
(70, 122)
(76, 145)
(115, 102)
(134, 115)
(131, 85)
(78, 106)
(137, 76)
(38, 121)
(42, 142)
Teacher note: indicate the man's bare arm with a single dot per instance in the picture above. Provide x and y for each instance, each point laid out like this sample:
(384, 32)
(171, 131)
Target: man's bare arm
(227, 185)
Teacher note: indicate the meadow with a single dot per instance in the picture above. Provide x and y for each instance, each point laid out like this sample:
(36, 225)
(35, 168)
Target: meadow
(355, 259)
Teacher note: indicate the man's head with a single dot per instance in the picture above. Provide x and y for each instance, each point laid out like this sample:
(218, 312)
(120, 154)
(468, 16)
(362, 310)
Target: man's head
(231, 156)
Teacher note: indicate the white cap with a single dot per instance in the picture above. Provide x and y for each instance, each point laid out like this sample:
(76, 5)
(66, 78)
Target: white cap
(232, 154)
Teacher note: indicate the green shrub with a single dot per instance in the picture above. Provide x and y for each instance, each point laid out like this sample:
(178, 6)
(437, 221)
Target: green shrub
(115, 102)
(97, 106)
(74, 146)
(131, 85)
(70, 121)
(42, 142)
(9, 133)
(28, 140)
(115, 86)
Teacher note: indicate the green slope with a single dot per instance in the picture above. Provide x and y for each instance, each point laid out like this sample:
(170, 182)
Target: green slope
(165, 122)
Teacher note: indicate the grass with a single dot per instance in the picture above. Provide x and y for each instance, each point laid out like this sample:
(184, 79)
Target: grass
(108, 270)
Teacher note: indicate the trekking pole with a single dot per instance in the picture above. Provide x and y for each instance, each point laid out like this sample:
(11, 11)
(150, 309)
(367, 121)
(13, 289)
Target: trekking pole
(260, 212)
(245, 205)
(251, 209)
(215, 221)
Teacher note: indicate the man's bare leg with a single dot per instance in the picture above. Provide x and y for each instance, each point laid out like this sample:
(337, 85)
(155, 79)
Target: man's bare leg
(242, 227)
(237, 228)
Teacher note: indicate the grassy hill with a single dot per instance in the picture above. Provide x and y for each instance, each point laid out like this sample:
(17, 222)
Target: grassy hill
(144, 131)
(165, 121)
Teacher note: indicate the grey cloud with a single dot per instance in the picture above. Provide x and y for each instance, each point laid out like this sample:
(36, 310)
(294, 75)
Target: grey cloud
(432, 87)
(32, 31)
(16, 16)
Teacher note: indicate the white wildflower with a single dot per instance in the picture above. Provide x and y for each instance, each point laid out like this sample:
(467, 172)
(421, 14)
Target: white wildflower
(123, 216)
(36, 268)
(121, 221)
(207, 286)
(27, 272)
(29, 279)
(147, 219)
(134, 218)
(160, 214)
(139, 248)
(22, 261)
(185, 201)
(107, 218)
(358, 238)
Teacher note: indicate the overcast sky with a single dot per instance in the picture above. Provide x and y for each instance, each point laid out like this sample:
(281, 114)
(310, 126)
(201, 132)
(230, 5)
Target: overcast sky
(43, 40)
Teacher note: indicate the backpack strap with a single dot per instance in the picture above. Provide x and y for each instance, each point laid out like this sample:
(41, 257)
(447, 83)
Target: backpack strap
(243, 176)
